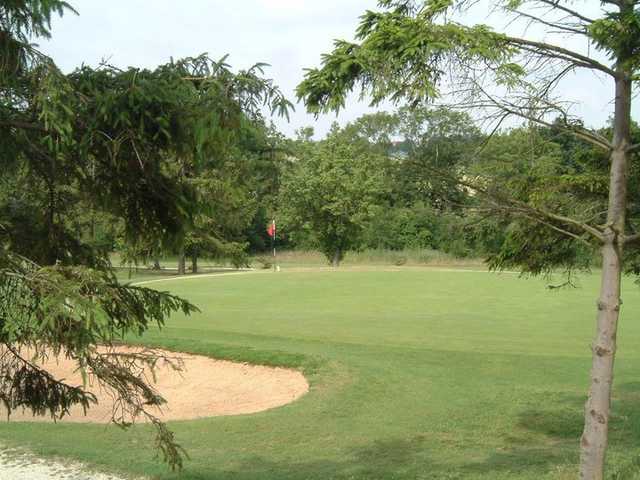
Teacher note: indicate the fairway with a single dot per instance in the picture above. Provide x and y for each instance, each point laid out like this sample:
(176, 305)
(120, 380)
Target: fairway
(415, 374)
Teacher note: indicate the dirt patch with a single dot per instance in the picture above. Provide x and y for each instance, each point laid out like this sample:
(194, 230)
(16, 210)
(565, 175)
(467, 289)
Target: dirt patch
(203, 388)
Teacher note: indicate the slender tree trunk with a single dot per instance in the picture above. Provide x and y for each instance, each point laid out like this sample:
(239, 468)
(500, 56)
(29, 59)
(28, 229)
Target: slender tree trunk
(335, 261)
(156, 264)
(182, 269)
(593, 444)
(194, 264)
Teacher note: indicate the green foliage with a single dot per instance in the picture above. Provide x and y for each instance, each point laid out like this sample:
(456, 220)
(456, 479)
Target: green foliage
(333, 188)
(439, 145)
(20, 21)
(234, 191)
(449, 187)
(377, 130)
(546, 181)
(401, 228)
(402, 54)
(618, 34)
(536, 249)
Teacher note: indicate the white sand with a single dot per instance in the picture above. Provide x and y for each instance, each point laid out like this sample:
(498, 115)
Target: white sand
(15, 465)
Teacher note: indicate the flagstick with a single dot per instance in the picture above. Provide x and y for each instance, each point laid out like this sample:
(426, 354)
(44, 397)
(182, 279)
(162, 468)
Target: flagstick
(273, 243)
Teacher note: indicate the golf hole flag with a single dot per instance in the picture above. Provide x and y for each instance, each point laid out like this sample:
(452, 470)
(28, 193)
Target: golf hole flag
(271, 229)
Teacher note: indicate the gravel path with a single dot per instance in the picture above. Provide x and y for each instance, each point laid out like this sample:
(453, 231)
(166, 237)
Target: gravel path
(17, 465)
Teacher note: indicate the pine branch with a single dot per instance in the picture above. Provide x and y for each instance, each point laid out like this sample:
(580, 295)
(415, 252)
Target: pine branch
(559, 230)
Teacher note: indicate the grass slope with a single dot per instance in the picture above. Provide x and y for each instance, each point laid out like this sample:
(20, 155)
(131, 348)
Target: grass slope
(416, 374)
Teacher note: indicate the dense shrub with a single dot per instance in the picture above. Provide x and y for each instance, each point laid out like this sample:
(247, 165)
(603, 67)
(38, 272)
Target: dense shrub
(401, 228)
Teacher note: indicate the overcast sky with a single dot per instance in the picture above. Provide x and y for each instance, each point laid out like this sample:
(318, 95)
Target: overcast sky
(290, 35)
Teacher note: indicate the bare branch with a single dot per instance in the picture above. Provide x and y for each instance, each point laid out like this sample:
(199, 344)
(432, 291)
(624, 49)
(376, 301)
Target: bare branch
(555, 4)
(554, 80)
(513, 109)
(554, 51)
(559, 26)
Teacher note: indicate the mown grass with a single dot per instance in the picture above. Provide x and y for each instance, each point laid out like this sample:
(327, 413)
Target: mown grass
(415, 374)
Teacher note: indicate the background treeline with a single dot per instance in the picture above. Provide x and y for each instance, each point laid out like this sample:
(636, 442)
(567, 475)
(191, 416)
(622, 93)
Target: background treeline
(414, 179)
(430, 178)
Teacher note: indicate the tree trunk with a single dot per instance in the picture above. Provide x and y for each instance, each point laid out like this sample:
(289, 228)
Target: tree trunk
(194, 264)
(181, 263)
(335, 261)
(156, 264)
(593, 444)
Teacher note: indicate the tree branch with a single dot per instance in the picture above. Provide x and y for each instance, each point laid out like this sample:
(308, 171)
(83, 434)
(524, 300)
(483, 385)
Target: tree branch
(23, 125)
(560, 230)
(526, 209)
(556, 5)
(633, 148)
(559, 26)
(516, 110)
(627, 239)
(555, 51)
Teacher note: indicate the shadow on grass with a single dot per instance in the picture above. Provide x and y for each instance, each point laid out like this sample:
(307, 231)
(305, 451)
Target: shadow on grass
(564, 419)
(531, 462)
(389, 459)
(556, 433)
(544, 441)
(541, 442)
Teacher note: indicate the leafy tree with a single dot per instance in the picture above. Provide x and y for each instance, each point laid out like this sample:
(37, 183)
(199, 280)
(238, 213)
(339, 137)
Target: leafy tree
(332, 189)
(375, 129)
(403, 52)
(435, 140)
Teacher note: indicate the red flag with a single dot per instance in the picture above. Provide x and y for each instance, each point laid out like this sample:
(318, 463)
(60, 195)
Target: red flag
(271, 229)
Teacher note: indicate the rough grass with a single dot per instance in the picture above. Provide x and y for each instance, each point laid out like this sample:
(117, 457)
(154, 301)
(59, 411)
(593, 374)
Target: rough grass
(415, 374)
(310, 258)
(423, 257)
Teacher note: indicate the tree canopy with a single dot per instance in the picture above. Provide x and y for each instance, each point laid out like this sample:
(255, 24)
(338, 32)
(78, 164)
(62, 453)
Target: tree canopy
(332, 188)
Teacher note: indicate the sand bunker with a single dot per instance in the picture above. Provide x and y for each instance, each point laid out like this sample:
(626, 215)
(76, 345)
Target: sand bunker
(203, 388)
